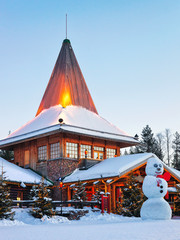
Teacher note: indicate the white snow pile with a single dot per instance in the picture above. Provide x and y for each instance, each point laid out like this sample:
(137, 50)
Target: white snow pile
(54, 220)
(6, 222)
(92, 226)
(97, 217)
(23, 217)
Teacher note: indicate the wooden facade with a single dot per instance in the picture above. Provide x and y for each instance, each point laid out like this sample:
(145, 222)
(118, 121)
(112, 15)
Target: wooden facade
(114, 186)
(19, 193)
(26, 153)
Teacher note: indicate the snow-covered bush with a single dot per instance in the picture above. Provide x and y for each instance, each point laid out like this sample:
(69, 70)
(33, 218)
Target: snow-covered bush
(79, 193)
(43, 202)
(5, 200)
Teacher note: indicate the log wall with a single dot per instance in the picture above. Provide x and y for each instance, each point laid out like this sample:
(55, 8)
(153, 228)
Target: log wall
(54, 168)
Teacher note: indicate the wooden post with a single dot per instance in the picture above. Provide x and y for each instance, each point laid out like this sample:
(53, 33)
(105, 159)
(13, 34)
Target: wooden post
(64, 146)
(114, 197)
(102, 203)
(105, 187)
(118, 151)
(68, 194)
(105, 152)
(109, 198)
(48, 149)
(92, 190)
(79, 150)
(92, 151)
(109, 204)
(61, 147)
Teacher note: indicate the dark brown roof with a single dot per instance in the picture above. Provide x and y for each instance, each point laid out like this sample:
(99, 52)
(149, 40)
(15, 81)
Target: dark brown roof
(67, 85)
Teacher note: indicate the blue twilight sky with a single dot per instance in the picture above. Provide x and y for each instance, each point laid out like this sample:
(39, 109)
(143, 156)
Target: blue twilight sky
(128, 51)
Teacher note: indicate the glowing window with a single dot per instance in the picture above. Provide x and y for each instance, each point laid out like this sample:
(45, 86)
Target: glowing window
(110, 152)
(71, 150)
(42, 153)
(54, 151)
(85, 148)
(98, 153)
(101, 149)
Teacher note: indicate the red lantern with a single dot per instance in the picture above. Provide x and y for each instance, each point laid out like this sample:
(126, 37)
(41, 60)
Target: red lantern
(61, 184)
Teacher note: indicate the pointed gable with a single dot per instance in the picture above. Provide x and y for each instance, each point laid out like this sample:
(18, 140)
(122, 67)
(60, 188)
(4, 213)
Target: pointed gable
(67, 85)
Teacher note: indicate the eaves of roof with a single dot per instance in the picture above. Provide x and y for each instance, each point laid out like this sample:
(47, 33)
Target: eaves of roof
(66, 128)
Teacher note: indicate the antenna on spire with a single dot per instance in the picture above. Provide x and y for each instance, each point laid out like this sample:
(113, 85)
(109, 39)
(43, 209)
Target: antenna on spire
(66, 25)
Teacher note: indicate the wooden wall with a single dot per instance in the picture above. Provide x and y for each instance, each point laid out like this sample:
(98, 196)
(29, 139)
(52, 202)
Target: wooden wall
(32, 146)
(26, 154)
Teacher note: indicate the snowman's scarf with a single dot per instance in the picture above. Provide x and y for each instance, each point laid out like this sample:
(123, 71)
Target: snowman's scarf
(166, 176)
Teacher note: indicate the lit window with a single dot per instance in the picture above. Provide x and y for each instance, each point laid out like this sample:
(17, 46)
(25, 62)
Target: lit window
(54, 151)
(26, 158)
(99, 153)
(71, 150)
(42, 153)
(110, 152)
(99, 149)
(85, 148)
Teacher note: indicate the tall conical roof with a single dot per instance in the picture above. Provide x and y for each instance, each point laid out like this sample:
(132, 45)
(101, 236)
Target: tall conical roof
(67, 85)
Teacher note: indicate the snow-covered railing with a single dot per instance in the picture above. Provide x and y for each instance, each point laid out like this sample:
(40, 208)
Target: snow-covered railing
(76, 204)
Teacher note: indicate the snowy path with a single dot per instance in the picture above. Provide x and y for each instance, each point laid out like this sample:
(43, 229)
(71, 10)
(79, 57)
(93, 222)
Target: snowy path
(94, 226)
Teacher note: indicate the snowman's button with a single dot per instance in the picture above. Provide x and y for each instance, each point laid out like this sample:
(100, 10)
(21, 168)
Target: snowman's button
(161, 191)
(161, 186)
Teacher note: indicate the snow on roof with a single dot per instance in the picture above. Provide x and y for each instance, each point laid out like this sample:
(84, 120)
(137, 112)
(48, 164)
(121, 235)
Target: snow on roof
(172, 189)
(75, 119)
(110, 167)
(14, 173)
(113, 167)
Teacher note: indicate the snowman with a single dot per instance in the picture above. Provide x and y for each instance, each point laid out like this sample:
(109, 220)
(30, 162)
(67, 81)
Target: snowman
(155, 188)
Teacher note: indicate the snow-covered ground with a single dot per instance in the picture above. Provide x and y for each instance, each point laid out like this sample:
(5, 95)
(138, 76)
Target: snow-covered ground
(92, 226)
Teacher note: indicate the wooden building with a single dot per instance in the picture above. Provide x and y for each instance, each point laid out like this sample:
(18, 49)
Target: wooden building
(67, 131)
(111, 174)
(19, 180)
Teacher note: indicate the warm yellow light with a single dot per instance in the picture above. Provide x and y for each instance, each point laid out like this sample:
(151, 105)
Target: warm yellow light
(66, 99)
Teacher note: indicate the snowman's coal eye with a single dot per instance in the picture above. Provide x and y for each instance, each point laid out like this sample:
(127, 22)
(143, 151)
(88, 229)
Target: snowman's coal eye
(155, 165)
(160, 165)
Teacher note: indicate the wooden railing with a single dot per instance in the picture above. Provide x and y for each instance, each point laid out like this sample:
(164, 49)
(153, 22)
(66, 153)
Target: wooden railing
(76, 204)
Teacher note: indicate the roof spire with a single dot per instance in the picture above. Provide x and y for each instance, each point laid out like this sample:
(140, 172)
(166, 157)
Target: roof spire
(67, 85)
(66, 25)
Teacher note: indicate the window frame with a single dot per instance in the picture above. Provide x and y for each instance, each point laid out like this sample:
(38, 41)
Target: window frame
(42, 152)
(55, 150)
(109, 152)
(71, 149)
(83, 148)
